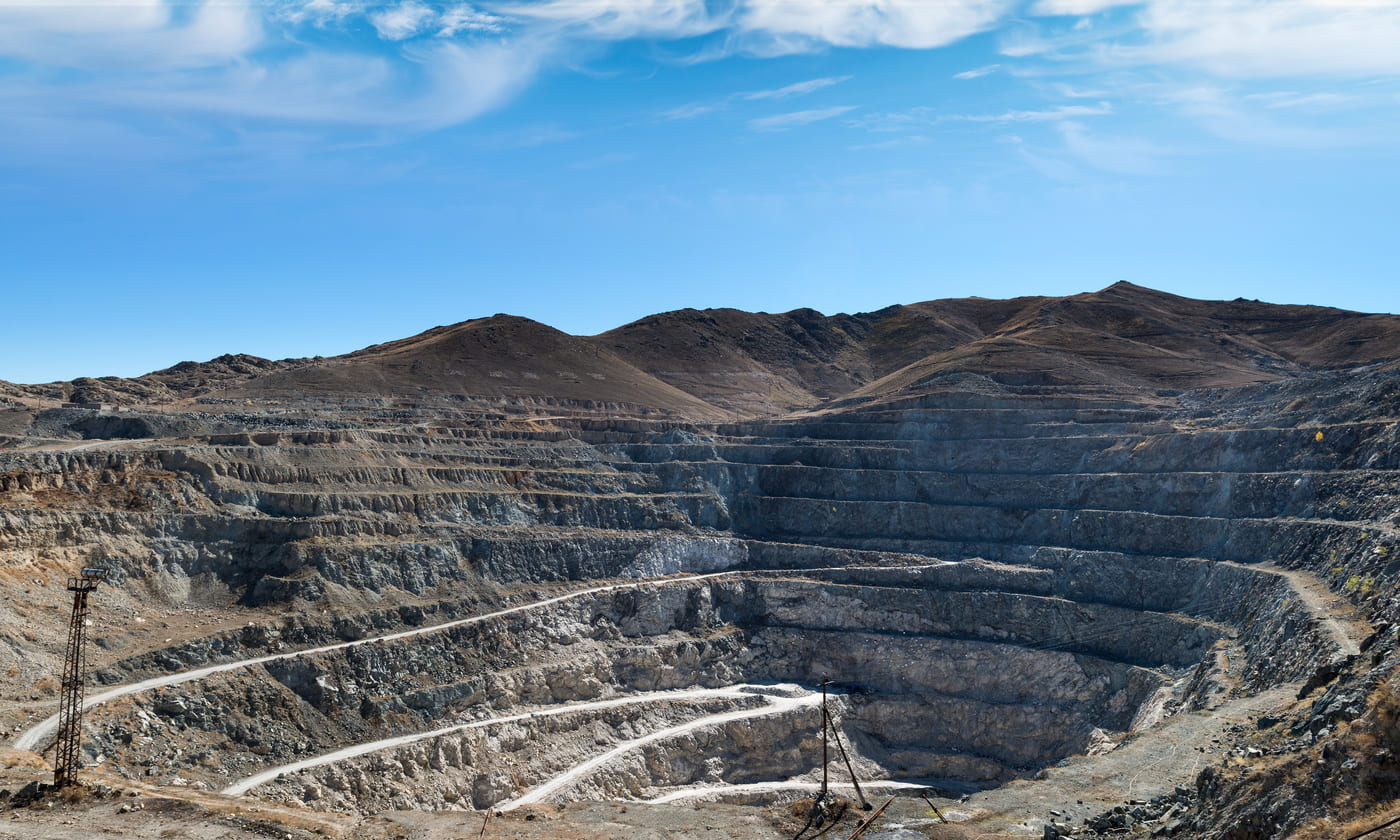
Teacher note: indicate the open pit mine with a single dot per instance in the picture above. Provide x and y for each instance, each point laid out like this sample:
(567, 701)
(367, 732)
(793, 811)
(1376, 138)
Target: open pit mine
(1120, 563)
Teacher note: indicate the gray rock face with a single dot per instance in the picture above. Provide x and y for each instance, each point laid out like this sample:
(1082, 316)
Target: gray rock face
(673, 555)
(1114, 560)
(937, 683)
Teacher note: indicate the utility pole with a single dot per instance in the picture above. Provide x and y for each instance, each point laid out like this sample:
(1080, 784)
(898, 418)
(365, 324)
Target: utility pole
(70, 710)
(826, 727)
(864, 803)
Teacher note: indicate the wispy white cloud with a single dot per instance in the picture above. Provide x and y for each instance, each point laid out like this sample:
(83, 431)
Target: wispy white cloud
(692, 110)
(402, 21)
(615, 20)
(923, 116)
(410, 18)
(1051, 166)
(1123, 156)
(798, 24)
(793, 119)
(1059, 112)
(1080, 152)
(140, 35)
(1071, 92)
(977, 72)
(917, 117)
(449, 60)
(1078, 7)
(1024, 41)
(1261, 38)
(1227, 116)
(529, 137)
(1292, 99)
(452, 83)
(318, 12)
(699, 109)
(467, 19)
(1230, 38)
(795, 89)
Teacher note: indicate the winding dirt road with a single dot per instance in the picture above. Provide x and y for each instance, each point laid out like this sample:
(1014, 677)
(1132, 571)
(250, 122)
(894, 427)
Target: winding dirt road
(34, 738)
(777, 704)
(1310, 591)
(735, 692)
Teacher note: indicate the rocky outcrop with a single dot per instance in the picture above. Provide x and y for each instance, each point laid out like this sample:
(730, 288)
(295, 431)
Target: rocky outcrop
(1009, 570)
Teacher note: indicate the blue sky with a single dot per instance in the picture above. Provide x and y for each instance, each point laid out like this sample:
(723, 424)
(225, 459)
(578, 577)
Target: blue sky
(185, 178)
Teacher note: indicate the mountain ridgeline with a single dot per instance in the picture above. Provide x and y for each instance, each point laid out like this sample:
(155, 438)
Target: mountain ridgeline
(719, 364)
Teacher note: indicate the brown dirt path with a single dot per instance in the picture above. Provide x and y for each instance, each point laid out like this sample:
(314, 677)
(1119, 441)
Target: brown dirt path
(1148, 764)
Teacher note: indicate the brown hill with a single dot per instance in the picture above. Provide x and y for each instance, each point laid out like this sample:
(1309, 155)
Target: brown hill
(750, 363)
(1127, 336)
(721, 363)
(501, 356)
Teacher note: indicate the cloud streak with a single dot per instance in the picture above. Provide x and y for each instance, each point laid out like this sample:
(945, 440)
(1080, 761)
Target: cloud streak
(794, 119)
(977, 72)
(1242, 39)
(796, 89)
(424, 64)
(693, 110)
(141, 35)
(925, 116)
(796, 25)
(402, 21)
(451, 83)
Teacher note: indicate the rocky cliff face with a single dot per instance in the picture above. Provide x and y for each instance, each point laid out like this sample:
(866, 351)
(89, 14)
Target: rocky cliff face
(1011, 569)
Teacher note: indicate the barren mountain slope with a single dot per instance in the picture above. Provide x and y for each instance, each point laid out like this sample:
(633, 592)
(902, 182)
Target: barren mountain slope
(761, 364)
(753, 363)
(498, 357)
(1125, 337)
(720, 363)
(1130, 337)
(495, 564)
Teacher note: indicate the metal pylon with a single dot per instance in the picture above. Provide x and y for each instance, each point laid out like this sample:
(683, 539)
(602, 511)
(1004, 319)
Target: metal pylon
(70, 710)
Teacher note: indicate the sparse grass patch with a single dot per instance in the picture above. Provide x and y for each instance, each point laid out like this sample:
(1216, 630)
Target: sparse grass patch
(73, 794)
(1330, 829)
(12, 759)
(1360, 585)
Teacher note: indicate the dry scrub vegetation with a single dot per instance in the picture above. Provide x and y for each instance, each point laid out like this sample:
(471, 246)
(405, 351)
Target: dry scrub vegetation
(1352, 775)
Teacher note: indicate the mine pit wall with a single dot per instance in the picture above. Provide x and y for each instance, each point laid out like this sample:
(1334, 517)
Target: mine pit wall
(892, 495)
(948, 709)
(971, 530)
(203, 554)
(1095, 600)
(1149, 639)
(208, 525)
(933, 705)
(1281, 640)
(479, 768)
(379, 690)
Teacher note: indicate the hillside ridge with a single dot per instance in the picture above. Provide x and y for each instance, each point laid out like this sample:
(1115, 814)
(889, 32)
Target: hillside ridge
(727, 363)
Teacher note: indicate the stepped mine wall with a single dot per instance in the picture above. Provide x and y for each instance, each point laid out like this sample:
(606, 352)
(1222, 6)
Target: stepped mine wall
(479, 768)
(233, 513)
(647, 638)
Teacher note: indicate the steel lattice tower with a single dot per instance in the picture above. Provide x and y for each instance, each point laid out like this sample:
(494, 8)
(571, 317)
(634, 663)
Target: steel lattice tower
(70, 710)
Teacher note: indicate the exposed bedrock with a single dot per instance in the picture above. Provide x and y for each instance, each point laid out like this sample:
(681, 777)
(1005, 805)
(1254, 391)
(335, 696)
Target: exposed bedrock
(977, 686)
(341, 515)
(482, 767)
(1001, 580)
